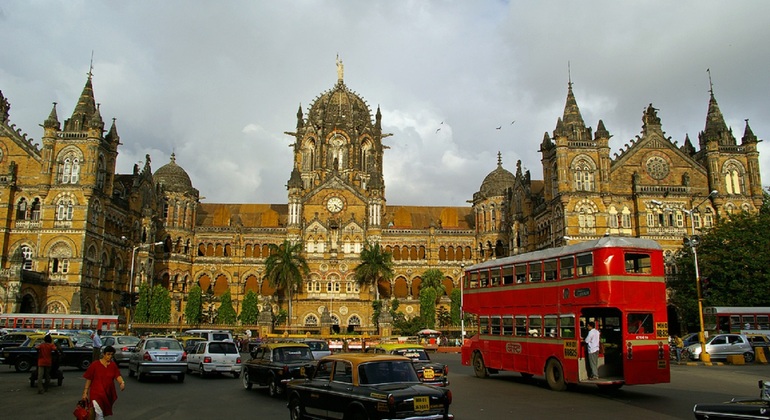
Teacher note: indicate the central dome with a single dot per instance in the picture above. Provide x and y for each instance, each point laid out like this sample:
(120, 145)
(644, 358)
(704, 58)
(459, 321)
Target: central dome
(340, 107)
(497, 182)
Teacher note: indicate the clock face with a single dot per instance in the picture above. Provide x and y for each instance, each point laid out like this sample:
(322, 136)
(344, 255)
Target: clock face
(334, 204)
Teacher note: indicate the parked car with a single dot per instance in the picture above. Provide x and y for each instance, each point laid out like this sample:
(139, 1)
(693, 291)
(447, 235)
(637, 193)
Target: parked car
(190, 341)
(158, 356)
(367, 386)
(24, 357)
(14, 339)
(431, 373)
(719, 346)
(275, 364)
(123, 345)
(759, 341)
(738, 408)
(690, 339)
(214, 357)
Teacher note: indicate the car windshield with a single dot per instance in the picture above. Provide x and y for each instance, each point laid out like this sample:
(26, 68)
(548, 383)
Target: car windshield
(414, 354)
(128, 340)
(163, 345)
(291, 354)
(222, 348)
(384, 372)
(317, 345)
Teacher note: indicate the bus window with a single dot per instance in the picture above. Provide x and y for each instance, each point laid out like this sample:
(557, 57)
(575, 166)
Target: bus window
(640, 323)
(494, 274)
(550, 326)
(567, 325)
(47, 323)
(521, 326)
(495, 324)
(521, 273)
(507, 325)
(484, 278)
(535, 272)
(748, 322)
(67, 324)
(567, 265)
(735, 323)
(483, 325)
(76, 324)
(638, 263)
(474, 280)
(535, 326)
(27, 322)
(585, 265)
(550, 270)
(508, 274)
(57, 324)
(763, 322)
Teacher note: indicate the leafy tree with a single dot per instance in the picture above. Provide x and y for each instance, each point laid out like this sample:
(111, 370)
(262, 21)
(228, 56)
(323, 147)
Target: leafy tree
(249, 309)
(428, 306)
(285, 267)
(376, 264)
(193, 312)
(160, 305)
(408, 326)
(433, 278)
(226, 312)
(455, 309)
(280, 317)
(376, 311)
(142, 310)
(443, 317)
(730, 267)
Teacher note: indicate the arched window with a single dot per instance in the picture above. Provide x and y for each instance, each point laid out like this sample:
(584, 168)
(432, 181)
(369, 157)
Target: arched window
(354, 320)
(64, 209)
(311, 320)
(101, 173)
(35, 209)
(583, 169)
(21, 209)
(337, 153)
(26, 257)
(733, 173)
(308, 156)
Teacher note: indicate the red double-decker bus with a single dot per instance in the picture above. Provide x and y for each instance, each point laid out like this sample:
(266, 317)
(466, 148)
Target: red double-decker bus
(532, 310)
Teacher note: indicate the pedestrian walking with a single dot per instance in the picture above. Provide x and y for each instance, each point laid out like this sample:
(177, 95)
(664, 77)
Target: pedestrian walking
(678, 346)
(97, 343)
(45, 354)
(100, 384)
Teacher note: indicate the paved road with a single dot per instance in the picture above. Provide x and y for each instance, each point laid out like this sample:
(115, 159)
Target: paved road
(503, 396)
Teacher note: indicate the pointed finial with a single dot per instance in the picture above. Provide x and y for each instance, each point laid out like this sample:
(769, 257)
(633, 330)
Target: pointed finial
(569, 75)
(711, 85)
(91, 67)
(173, 157)
(499, 158)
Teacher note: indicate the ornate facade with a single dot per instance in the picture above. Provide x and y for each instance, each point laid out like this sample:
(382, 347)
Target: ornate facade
(75, 232)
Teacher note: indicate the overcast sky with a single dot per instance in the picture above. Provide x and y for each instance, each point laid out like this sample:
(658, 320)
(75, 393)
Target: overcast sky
(218, 82)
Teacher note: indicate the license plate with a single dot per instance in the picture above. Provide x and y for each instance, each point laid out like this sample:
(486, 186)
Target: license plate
(421, 403)
(428, 373)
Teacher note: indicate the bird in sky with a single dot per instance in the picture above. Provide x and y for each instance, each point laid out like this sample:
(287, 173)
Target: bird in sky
(499, 127)
(513, 122)
(438, 129)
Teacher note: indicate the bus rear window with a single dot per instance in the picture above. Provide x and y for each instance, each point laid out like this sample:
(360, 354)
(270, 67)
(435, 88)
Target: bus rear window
(585, 265)
(640, 323)
(638, 263)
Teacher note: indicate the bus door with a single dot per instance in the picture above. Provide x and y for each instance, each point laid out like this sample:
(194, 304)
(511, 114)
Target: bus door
(608, 322)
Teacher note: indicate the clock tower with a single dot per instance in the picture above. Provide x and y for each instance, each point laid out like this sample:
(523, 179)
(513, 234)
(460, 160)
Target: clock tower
(336, 190)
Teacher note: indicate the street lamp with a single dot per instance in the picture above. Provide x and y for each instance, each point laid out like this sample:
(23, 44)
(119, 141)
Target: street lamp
(462, 308)
(701, 334)
(131, 280)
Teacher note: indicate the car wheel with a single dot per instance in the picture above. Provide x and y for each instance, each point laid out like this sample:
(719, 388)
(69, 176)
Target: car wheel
(180, 378)
(748, 357)
(359, 414)
(245, 379)
(273, 389)
(130, 372)
(23, 365)
(84, 364)
(554, 374)
(201, 371)
(139, 375)
(478, 366)
(295, 409)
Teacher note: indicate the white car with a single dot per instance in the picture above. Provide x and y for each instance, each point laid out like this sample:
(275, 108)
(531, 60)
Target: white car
(214, 357)
(719, 346)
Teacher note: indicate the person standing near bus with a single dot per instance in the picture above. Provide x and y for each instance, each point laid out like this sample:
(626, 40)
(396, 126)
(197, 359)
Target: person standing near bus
(46, 352)
(97, 353)
(592, 341)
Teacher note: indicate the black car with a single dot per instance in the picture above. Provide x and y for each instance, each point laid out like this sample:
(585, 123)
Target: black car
(432, 373)
(738, 408)
(367, 386)
(275, 364)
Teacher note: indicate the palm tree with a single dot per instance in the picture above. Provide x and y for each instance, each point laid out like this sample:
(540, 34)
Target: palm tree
(285, 268)
(375, 265)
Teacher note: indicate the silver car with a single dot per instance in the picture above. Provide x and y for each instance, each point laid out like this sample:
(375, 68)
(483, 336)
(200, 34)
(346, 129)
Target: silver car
(720, 346)
(214, 357)
(158, 356)
(124, 345)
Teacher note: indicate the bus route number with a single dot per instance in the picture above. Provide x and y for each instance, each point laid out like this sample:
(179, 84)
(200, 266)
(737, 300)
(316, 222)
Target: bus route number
(514, 348)
(570, 350)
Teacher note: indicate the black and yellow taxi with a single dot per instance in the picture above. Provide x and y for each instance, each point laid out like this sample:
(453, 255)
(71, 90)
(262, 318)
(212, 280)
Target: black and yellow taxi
(274, 364)
(367, 386)
(430, 372)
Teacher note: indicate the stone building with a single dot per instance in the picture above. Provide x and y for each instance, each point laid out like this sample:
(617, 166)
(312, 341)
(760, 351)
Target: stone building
(75, 232)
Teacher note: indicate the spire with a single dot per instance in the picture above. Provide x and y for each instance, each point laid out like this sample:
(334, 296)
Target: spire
(84, 110)
(572, 118)
(5, 106)
(112, 135)
(340, 71)
(300, 121)
(601, 132)
(547, 143)
(716, 128)
(96, 119)
(378, 118)
(53, 119)
(499, 159)
(748, 135)
(687, 147)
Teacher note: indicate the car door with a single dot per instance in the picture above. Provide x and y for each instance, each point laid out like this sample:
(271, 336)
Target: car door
(315, 400)
(340, 389)
(136, 354)
(719, 346)
(194, 357)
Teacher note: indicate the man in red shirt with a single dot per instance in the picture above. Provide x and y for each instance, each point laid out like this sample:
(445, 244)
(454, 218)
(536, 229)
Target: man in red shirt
(45, 353)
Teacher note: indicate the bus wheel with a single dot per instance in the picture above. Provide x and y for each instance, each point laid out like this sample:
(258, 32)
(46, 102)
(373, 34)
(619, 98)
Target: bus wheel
(478, 366)
(554, 374)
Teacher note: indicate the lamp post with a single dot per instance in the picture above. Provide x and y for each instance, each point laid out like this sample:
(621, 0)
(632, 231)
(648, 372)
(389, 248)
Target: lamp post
(131, 283)
(462, 308)
(701, 334)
